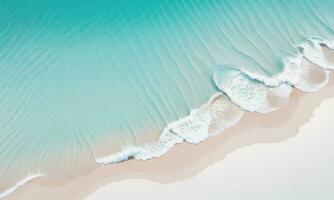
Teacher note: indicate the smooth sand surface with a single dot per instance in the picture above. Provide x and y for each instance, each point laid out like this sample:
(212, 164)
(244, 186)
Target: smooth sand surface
(298, 168)
(186, 160)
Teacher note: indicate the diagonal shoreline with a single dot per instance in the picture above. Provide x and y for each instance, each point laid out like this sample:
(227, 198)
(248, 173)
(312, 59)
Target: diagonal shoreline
(186, 160)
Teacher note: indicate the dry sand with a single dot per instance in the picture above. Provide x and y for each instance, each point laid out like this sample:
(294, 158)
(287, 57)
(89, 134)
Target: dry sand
(298, 168)
(186, 160)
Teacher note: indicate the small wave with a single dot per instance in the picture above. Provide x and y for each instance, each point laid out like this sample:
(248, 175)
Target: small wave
(241, 90)
(19, 184)
(313, 50)
(212, 118)
(249, 93)
(306, 71)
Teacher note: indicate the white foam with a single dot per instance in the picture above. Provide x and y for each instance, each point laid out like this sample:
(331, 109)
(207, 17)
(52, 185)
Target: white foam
(312, 50)
(194, 128)
(283, 91)
(249, 93)
(19, 184)
(306, 71)
(248, 90)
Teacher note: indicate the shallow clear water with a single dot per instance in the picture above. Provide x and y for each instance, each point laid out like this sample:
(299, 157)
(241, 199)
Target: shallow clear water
(85, 79)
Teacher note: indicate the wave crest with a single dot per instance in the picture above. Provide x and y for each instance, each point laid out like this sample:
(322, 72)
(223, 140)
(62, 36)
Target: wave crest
(212, 118)
(241, 90)
(306, 71)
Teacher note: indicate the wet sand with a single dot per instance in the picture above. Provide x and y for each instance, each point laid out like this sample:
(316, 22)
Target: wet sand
(186, 160)
(298, 168)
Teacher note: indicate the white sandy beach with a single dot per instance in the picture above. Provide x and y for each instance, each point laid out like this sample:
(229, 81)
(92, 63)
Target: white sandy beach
(217, 100)
(205, 169)
(299, 168)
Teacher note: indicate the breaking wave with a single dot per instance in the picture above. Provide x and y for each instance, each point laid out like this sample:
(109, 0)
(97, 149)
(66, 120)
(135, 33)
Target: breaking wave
(85, 84)
(241, 91)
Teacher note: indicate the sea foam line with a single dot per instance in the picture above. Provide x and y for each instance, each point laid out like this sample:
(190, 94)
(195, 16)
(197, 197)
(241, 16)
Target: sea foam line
(194, 128)
(225, 109)
(19, 184)
(306, 71)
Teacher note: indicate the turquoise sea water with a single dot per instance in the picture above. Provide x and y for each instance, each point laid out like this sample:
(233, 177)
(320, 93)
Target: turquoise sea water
(87, 79)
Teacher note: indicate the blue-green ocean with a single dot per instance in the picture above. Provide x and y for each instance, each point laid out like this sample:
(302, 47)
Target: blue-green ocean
(82, 80)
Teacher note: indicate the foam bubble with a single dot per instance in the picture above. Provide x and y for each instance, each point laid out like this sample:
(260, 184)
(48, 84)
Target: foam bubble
(313, 50)
(305, 71)
(19, 184)
(248, 92)
(212, 118)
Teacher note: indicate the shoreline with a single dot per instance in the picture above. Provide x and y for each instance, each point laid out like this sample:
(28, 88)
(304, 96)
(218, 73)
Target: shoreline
(185, 160)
